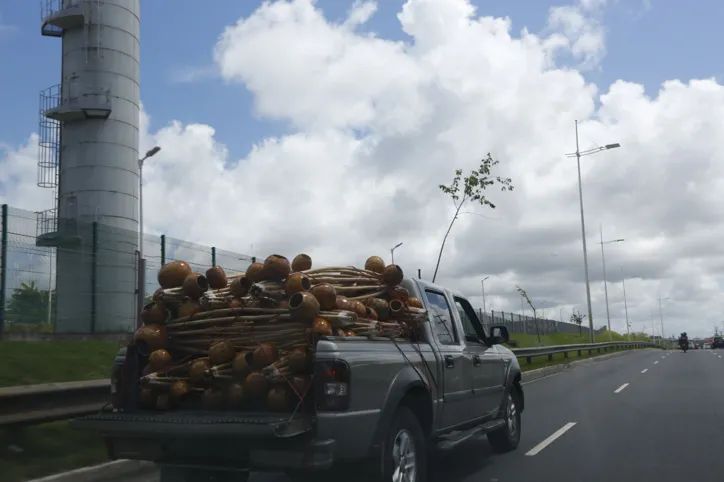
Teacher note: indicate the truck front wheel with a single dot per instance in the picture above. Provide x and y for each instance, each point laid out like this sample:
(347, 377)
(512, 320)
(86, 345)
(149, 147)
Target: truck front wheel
(187, 474)
(507, 437)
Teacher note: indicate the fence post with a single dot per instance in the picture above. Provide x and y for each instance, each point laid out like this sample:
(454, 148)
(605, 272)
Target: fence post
(94, 272)
(213, 256)
(163, 249)
(4, 268)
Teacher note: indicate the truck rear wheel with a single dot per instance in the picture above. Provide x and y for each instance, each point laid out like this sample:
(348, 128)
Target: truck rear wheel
(404, 450)
(187, 474)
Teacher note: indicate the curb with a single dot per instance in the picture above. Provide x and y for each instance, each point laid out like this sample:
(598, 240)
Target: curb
(102, 472)
(533, 375)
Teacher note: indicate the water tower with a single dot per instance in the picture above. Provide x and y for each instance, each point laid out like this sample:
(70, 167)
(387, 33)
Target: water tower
(88, 154)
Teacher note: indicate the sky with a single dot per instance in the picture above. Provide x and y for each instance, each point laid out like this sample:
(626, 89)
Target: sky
(326, 127)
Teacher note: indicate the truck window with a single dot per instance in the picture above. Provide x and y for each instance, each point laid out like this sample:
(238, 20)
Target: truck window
(442, 324)
(471, 323)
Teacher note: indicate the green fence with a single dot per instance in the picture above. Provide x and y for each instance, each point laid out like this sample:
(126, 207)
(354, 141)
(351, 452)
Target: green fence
(87, 283)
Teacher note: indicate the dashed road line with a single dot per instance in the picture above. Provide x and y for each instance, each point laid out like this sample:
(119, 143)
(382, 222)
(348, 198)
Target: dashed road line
(538, 448)
(657, 361)
(620, 389)
(644, 370)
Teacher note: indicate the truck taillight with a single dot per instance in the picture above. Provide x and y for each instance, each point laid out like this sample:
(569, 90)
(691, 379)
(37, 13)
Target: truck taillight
(331, 379)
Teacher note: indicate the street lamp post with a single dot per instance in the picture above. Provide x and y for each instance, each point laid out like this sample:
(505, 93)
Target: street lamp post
(578, 154)
(482, 282)
(625, 305)
(141, 261)
(561, 313)
(392, 252)
(661, 316)
(605, 284)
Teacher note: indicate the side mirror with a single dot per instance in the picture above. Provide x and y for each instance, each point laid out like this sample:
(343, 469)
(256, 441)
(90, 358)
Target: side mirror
(498, 335)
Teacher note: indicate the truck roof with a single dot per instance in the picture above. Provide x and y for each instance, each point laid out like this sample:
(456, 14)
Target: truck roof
(427, 284)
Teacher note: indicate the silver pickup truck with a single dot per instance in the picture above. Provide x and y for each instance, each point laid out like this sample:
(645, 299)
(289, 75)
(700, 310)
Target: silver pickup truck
(380, 406)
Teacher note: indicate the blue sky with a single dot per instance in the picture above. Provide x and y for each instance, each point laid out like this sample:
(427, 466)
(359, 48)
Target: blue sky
(178, 36)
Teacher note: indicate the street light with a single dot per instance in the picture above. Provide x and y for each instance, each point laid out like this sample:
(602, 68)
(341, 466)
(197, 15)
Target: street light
(561, 313)
(605, 284)
(482, 282)
(661, 315)
(578, 154)
(625, 303)
(142, 265)
(392, 252)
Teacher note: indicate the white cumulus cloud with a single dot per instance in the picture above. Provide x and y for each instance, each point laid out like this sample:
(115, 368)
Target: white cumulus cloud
(379, 124)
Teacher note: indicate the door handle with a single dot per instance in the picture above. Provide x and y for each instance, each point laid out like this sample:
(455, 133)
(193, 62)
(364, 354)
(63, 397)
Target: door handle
(449, 361)
(476, 360)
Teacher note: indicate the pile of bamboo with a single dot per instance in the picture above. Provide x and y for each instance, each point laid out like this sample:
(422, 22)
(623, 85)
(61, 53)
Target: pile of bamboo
(248, 341)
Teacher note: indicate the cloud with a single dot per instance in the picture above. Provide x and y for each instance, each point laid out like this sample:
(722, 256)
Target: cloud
(379, 124)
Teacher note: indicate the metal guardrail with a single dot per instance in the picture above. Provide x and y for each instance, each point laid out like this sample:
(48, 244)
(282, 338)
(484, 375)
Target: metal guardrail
(34, 404)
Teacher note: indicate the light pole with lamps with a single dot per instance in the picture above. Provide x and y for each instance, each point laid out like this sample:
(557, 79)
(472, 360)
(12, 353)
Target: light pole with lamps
(561, 313)
(141, 261)
(482, 282)
(578, 154)
(661, 317)
(605, 284)
(625, 303)
(392, 252)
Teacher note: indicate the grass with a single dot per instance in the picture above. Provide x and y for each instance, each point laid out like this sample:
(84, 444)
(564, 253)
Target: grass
(30, 362)
(47, 449)
(528, 340)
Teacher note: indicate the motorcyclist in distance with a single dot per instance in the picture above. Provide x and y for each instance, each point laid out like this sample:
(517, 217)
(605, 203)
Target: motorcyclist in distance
(683, 340)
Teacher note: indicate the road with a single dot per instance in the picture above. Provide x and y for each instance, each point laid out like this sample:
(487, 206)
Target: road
(650, 415)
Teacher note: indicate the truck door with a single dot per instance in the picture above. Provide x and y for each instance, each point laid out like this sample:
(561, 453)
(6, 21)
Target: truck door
(457, 383)
(488, 366)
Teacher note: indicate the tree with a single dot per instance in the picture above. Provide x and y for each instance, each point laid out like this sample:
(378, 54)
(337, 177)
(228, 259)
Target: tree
(473, 190)
(29, 305)
(578, 318)
(522, 293)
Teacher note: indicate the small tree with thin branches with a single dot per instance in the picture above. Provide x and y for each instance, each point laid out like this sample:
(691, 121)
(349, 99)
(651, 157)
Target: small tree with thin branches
(578, 318)
(523, 294)
(473, 190)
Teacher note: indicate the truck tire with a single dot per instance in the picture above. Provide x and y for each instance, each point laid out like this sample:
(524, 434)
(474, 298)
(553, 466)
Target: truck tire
(404, 442)
(507, 438)
(187, 474)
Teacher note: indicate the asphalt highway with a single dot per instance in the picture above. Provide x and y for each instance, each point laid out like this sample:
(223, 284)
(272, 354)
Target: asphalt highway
(647, 416)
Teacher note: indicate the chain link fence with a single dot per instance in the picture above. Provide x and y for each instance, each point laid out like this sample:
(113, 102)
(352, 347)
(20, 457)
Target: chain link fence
(85, 281)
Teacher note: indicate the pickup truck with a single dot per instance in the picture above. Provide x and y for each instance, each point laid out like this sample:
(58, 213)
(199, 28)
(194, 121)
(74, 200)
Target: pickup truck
(380, 405)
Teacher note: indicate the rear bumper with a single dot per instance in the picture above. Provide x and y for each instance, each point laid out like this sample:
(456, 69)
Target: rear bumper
(273, 442)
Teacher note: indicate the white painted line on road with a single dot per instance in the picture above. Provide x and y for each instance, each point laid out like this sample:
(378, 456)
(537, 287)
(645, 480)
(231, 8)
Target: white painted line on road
(541, 378)
(657, 361)
(644, 370)
(620, 389)
(537, 449)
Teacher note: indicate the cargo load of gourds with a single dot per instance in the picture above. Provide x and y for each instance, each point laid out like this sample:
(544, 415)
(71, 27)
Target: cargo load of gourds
(248, 341)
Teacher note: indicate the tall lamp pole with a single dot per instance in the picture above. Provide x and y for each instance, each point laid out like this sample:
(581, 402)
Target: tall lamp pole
(661, 317)
(141, 261)
(578, 154)
(625, 304)
(605, 283)
(482, 282)
(392, 252)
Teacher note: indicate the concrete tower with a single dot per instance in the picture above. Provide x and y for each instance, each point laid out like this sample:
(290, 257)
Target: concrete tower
(89, 137)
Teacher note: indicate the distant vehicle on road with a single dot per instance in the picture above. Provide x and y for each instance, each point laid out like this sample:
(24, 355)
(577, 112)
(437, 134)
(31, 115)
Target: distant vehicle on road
(718, 342)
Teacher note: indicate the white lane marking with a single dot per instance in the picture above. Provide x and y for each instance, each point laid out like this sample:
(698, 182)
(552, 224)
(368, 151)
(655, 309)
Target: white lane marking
(537, 449)
(620, 389)
(644, 370)
(663, 357)
(541, 378)
(657, 361)
(719, 356)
